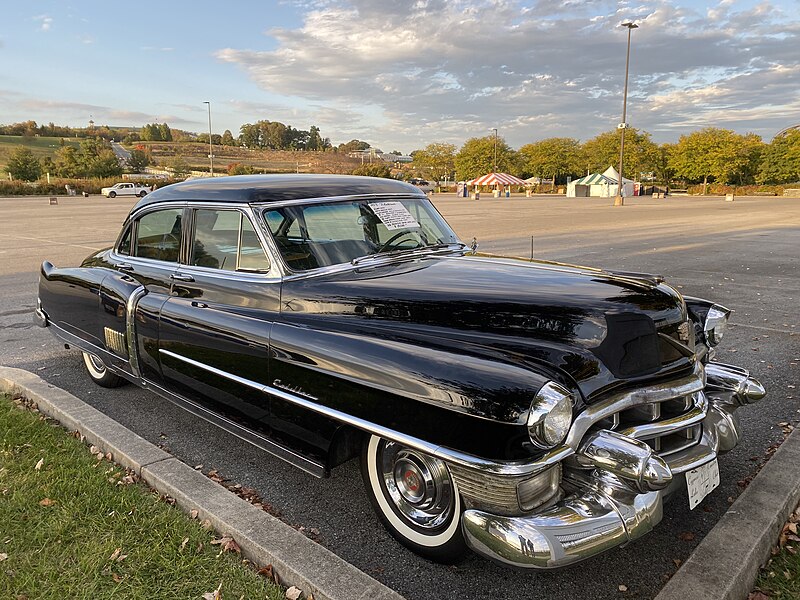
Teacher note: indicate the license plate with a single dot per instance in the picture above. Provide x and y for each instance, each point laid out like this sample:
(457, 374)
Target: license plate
(701, 481)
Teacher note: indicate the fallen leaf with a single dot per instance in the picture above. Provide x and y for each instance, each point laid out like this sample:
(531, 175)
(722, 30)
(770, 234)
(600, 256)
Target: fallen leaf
(623, 588)
(293, 593)
(221, 540)
(3, 556)
(206, 524)
(686, 536)
(115, 554)
(677, 561)
(215, 595)
(757, 596)
(792, 527)
(39, 464)
(267, 572)
(116, 577)
(183, 543)
(47, 502)
(194, 513)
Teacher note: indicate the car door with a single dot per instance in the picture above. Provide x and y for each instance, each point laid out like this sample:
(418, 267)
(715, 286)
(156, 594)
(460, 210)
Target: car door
(215, 326)
(149, 252)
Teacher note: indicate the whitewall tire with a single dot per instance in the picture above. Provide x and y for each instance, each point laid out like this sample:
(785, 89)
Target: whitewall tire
(415, 498)
(99, 373)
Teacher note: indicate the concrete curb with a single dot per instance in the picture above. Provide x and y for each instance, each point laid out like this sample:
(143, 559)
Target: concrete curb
(263, 539)
(725, 564)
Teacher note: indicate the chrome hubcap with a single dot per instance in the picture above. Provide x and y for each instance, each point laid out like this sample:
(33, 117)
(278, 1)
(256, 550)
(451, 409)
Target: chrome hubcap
(97, 364)
(418, 485)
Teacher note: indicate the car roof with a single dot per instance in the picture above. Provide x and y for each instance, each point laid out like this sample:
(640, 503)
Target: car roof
(274, 188)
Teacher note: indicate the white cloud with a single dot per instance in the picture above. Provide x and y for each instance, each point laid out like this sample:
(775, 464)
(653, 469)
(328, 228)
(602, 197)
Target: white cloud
(45, 22)
(406, 73)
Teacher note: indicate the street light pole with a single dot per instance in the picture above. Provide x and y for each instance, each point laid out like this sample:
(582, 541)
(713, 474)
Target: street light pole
(210, 145)
(620, 198)
(494, 170)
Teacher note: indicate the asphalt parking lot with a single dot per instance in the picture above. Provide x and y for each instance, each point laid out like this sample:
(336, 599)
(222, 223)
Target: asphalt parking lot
(742, 254)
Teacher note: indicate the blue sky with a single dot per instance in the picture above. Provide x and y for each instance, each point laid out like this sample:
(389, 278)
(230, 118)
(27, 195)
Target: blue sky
(405, 73)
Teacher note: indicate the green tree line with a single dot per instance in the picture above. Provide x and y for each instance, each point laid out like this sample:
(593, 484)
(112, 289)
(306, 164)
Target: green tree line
(93, 158)
(704, 156)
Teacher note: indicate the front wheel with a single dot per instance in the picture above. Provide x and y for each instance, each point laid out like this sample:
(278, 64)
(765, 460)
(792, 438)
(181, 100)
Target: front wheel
(415, 498)
(112, 194)
(99, 372)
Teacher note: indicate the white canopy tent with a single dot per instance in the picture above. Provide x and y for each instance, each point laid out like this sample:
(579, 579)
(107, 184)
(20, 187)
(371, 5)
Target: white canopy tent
(603, 185)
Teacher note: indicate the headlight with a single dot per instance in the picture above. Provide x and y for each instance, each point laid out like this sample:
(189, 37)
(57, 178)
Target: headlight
(714, 327)
(550, 416)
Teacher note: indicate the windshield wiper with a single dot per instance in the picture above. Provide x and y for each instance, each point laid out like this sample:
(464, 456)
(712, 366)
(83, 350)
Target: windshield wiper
(402, 252)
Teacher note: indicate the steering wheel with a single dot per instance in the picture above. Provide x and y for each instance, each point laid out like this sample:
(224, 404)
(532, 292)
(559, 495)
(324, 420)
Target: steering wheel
(400, 235)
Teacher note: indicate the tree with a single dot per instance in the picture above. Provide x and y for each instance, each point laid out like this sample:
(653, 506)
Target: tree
(780, 161)
(374, 170)
(227, 138)
(713, 152)
(165, 132)
(139, 159)
(24, 165)
(552, 157)
(602, 151)
(178, 165)
(68, 163)
(476, 157)
(353, 146)
(315, 141)
(438, 159)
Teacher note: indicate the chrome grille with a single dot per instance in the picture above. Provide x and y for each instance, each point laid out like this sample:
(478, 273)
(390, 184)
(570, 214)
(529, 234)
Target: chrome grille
(506, 495)
(667, 426)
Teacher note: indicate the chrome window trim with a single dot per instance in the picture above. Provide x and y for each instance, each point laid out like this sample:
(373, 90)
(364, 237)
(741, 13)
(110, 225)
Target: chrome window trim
(275, 273)
(321, 199)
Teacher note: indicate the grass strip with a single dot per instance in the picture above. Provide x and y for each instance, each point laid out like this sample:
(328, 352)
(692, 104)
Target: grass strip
(72, 525)
(780, 578)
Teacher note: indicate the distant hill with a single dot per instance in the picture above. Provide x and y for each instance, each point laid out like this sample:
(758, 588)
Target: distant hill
(40, 146)
(271, 161)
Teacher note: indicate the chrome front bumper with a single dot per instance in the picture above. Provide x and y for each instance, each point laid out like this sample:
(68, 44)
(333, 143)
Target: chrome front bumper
(615, 487)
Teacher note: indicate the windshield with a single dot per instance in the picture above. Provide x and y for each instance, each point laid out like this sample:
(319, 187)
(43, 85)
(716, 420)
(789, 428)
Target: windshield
(316, 235)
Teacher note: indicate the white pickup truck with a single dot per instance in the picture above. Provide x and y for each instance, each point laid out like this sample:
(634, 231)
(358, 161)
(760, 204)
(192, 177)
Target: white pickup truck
(126, 189)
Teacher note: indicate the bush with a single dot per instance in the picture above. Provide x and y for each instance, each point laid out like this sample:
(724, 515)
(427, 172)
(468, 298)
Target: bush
(56, 186)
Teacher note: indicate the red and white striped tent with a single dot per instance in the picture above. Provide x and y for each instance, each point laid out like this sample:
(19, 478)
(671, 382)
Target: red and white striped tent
(497, 179)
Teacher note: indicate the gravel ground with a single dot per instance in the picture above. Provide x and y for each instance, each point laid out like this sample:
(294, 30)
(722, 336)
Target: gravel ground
(742, 254)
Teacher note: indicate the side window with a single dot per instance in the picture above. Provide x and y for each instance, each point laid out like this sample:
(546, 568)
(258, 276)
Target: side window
(226, 240)
(158, 235)
(251, 254)
(124, 247)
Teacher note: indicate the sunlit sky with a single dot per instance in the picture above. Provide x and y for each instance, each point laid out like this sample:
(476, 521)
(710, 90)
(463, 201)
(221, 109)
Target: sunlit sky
(404, 73)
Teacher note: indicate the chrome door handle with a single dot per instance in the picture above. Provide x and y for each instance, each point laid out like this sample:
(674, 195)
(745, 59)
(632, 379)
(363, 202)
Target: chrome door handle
(181, 277)
(125, 267)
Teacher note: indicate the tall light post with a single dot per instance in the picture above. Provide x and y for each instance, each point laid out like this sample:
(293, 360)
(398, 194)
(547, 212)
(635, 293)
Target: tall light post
(210, 145)
(494, 170)
(620, 198)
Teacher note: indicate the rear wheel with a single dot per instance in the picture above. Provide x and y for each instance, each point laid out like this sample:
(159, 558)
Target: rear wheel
(142, 194)
(99, 372)
(415, 498)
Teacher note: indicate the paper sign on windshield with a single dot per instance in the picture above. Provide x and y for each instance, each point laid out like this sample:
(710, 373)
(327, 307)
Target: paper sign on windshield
(394, 215)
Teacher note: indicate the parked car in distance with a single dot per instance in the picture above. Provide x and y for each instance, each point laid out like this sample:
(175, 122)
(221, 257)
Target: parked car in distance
(126, 189)
(536, 412)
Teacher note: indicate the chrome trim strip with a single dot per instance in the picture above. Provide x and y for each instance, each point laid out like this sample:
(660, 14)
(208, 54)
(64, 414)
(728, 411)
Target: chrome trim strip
(509, 468)
(624, 400)
(648, 431)
(282, 203)
(252, 437)
(130, 329)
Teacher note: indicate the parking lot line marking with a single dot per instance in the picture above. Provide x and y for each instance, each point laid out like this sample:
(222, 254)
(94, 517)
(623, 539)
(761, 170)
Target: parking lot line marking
(33, 239)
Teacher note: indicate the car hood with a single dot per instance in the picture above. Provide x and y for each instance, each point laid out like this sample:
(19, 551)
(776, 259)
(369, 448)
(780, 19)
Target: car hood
(595, 328)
